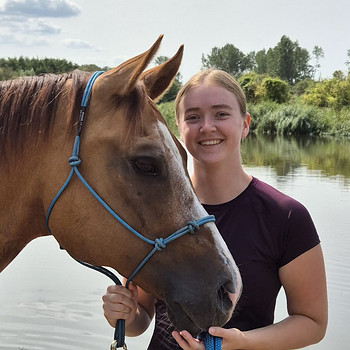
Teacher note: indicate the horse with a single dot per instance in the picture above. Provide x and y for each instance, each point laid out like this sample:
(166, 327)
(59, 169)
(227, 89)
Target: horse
(134, 163)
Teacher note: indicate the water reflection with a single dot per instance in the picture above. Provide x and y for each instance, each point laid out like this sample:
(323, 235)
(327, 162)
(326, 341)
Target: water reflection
(50, 301)
(331, 156)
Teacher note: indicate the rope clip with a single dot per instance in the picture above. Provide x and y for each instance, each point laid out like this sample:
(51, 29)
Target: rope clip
(114, 346)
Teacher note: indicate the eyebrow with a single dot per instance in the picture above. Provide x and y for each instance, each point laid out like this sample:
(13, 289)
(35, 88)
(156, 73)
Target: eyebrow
(218, 106)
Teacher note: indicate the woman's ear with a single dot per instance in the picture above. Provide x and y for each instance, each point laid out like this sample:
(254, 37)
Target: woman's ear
(246, 123)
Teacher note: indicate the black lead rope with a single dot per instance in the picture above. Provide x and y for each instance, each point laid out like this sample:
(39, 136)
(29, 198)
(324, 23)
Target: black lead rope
(119, 331)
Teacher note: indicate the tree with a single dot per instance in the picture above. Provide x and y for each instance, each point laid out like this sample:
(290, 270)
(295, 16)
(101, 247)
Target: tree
(230, 59)
(90, 67)
(302, 70)
(286, 60)
(261, 62)
(347, 62)
(272, 62)
(317, 53)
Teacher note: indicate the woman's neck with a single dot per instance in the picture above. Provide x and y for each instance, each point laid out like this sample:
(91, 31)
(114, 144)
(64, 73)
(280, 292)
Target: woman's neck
(216, 184)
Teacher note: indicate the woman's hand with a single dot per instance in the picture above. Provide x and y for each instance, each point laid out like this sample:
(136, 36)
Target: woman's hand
(187, 342)
(231, 339)
(120, 303)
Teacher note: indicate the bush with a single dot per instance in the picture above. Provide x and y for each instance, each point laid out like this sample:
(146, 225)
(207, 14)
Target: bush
(251, 86)
(276, 90)
(259, 116)
(167, 109)
(271, 118)
(334, 93)
(302, 86)
(299, 120)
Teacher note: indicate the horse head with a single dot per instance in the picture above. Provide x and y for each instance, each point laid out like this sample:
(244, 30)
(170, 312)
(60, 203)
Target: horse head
(131, 159)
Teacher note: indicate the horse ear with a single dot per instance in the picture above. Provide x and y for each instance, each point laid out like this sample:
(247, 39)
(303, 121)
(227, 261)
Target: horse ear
(158, 79)
(122, 79)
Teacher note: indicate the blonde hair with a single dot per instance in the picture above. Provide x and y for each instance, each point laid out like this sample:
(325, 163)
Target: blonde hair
(213, 77)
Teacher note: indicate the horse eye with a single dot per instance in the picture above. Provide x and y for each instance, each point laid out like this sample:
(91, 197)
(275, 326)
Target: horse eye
(146, 167)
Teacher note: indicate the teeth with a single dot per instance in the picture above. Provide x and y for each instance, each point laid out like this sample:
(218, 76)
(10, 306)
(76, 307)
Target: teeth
(210, 142)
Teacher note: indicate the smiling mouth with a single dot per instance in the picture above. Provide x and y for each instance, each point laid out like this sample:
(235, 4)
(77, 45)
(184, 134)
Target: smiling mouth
(210, 142)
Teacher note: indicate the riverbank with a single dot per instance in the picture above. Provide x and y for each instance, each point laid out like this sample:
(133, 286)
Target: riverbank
(285, 119)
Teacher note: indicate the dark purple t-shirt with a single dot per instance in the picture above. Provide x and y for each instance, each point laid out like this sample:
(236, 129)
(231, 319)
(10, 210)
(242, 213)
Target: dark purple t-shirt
(264, 229)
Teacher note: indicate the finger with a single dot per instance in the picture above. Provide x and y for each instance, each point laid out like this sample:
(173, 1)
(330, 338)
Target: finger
(116, 289)
(133, 289)
(132, 286)
(187, 342)
(114, 312)
(119, 295)
(217, 331)
(181, 341)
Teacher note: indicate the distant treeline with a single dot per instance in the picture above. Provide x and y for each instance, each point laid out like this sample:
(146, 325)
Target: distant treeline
(11, 68)
(285, 92)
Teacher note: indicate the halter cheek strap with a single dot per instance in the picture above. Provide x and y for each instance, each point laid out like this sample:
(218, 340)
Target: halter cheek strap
(158, 243)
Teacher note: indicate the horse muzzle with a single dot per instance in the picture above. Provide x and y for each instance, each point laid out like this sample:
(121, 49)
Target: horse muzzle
(196, 312)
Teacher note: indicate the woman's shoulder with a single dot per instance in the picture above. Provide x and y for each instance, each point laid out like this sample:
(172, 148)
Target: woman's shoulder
(272, 196)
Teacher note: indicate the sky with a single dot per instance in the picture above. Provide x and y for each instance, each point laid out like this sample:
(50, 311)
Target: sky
(108, 32)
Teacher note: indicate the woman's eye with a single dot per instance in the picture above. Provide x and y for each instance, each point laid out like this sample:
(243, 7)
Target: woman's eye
(221, 114)
(191, 117)
(145, 167)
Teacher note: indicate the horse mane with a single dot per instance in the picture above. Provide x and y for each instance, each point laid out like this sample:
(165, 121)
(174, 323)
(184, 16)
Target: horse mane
(28, 107)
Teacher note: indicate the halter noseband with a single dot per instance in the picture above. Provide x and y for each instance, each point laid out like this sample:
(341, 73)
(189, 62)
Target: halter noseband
(158, 243)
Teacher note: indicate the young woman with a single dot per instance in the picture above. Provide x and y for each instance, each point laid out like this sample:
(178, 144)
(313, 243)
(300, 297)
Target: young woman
(270, 235)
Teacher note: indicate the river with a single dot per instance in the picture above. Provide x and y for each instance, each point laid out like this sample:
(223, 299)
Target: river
(48, 301)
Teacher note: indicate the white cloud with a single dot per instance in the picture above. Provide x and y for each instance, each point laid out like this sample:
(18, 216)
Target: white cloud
(43, 26)
(39, 8)
(23, 41)
(8, 38)
(77, 44)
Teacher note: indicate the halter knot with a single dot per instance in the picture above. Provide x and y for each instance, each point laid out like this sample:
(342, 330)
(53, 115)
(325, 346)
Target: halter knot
(159, 244)
(74, 161)
(192, 226)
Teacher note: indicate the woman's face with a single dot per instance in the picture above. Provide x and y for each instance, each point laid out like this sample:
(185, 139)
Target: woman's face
(211, 124)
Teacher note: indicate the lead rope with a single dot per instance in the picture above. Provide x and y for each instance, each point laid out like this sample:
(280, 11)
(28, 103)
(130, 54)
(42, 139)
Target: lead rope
(158, 243)
(211, 342)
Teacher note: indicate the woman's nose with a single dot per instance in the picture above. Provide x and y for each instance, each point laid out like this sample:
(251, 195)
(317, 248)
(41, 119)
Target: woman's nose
(207, 125)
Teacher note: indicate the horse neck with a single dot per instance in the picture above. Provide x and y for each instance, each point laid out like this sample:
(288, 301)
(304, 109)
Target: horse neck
(25, 178)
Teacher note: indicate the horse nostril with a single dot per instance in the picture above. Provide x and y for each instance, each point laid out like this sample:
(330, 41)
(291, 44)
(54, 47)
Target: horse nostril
(224, 295)
(229, 287)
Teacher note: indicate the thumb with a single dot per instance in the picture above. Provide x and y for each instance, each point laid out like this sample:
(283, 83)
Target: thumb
(133, 290)
(132, 286)
(217, 331)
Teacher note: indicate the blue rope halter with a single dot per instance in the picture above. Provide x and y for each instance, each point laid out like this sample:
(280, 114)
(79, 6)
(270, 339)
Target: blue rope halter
(158, 243)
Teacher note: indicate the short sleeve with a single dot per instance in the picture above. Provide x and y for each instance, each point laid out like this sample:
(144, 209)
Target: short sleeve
(300, 235)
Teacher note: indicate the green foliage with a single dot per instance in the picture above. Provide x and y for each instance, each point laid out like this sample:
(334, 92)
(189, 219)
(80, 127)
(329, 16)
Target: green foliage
(287, 60)
(92, 68)
(334, 93)
(230, 59)
(172, 91)
(274, 89)
(15, 67)
(251, 85)
(167, 110)
(339, 121)
(261, 62)
(290, 119)
(302, 86)
(261, 120)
